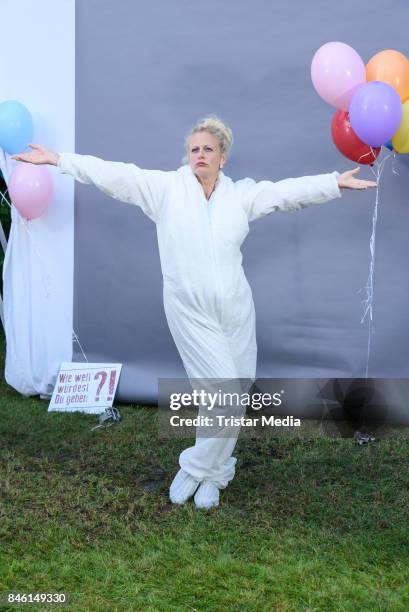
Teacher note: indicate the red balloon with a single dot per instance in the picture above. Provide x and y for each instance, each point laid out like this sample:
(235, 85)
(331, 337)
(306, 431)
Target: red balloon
(348, 143)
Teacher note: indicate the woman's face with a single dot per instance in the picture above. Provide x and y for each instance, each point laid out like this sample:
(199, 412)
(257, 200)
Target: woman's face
(204, 155)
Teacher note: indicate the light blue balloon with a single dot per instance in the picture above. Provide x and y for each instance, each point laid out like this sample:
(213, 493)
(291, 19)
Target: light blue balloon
(16, 127)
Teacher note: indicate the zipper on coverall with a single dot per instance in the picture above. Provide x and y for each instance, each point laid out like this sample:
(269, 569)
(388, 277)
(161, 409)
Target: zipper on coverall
(215, 266)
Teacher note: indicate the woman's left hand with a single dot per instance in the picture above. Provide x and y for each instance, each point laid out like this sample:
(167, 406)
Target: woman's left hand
(348, 181)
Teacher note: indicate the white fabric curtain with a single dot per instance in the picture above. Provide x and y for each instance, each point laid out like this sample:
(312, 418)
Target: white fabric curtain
(38, 266)
(38, 297)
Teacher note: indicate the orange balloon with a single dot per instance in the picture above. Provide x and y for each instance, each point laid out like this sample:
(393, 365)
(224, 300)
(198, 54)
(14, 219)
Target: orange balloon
(391, 67)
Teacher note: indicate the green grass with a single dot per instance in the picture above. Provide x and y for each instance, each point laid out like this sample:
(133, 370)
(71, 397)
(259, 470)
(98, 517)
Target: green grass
(305, 525)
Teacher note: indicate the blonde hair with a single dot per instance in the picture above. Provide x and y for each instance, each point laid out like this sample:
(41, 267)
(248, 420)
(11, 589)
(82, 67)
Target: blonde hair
(215, 126)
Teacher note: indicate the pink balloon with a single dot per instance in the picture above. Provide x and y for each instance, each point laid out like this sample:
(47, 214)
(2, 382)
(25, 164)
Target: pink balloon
(31, 189)
(336, 71)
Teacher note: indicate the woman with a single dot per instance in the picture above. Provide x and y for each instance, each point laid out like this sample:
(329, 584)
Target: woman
(202, 219)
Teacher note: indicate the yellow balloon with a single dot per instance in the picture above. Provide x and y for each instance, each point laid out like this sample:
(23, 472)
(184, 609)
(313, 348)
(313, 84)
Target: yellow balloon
(400, 140)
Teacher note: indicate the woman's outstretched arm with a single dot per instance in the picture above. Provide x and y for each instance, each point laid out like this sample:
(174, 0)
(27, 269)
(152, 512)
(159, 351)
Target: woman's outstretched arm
(122, 181)
(289, 195)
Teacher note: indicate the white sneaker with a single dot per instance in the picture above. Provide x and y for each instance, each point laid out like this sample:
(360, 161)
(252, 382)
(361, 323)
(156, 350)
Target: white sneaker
(183, 486)
(207, 495)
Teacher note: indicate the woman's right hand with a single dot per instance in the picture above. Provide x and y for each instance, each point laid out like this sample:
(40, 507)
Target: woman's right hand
(39, 155)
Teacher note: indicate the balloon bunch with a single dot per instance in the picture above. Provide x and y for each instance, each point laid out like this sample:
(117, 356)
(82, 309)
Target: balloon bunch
(372, 101)
(30, 186)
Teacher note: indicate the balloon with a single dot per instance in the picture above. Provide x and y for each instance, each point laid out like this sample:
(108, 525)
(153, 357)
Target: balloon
(16, 127)
(336, 71)
(391, 67)
(389, 145)
(31, 189)
(348, 143)
(400, 140)
(375, 112)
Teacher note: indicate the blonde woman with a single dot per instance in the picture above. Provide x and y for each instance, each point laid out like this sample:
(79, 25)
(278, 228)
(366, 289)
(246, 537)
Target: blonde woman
(202, 217)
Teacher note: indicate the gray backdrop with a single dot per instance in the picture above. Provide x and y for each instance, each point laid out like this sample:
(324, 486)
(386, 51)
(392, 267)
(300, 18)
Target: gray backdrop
(146, 71)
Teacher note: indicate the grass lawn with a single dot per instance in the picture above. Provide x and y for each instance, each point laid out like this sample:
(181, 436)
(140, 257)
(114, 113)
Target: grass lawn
(305, 525)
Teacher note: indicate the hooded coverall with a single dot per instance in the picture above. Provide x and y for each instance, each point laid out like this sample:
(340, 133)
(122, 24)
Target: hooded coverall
(207, 299)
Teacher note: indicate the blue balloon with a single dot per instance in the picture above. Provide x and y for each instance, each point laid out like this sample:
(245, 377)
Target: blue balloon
(16, 127)
(389, 145)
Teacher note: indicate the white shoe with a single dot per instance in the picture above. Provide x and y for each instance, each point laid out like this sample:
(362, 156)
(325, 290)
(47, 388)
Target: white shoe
(183, 486)
(207, 495)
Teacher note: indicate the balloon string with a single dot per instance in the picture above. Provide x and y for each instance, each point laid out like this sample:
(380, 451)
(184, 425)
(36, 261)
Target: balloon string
(368, 302)
(3, 197)
(44, 275)
(363, 155)
(393, 164)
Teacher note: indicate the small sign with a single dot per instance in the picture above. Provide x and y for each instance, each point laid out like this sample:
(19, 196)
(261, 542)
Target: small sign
(85, 387)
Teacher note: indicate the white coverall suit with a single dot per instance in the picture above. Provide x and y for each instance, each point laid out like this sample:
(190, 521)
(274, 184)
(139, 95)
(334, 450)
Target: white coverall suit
(207, 299)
